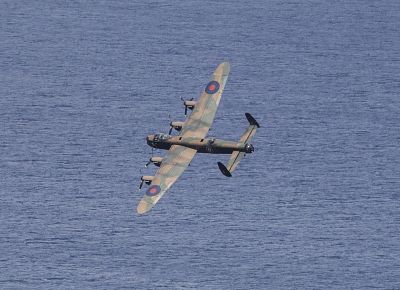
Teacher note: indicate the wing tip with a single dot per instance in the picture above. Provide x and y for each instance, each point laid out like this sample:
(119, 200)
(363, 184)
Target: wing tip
(223, 68)
(143, 207)
(226, 64)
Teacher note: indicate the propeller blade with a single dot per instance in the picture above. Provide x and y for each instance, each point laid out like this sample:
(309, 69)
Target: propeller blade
(170, 130)
(141, 184)
(186, 108)
(148, 163)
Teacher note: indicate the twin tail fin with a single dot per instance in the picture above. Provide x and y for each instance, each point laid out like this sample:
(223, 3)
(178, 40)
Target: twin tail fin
(237, 156)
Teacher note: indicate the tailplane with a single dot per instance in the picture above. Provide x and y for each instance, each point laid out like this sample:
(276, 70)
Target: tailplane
(237, 156)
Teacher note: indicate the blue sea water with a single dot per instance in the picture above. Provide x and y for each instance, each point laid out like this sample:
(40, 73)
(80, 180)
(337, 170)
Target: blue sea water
(315, 207)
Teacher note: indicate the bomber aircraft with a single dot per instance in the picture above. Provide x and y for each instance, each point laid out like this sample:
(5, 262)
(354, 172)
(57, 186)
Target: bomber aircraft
(192, 139)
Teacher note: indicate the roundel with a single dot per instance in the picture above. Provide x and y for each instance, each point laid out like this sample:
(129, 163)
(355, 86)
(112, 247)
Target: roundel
(212, 87)
(153, 190)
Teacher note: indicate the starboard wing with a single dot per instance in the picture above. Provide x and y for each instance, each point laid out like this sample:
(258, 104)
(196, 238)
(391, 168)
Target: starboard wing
(172, 166)
(199, 122)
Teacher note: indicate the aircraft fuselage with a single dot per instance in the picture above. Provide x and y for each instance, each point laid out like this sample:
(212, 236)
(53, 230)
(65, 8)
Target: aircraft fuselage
(204, 145)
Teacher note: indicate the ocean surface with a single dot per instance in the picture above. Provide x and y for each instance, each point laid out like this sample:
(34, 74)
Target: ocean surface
(317, 206)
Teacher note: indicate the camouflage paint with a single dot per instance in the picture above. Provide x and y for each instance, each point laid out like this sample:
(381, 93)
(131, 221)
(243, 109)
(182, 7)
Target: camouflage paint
(199, 122)
(172, 166)
(196, 126)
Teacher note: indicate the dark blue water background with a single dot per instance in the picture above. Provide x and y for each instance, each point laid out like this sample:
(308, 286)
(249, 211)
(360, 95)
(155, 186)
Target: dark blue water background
(316, 206)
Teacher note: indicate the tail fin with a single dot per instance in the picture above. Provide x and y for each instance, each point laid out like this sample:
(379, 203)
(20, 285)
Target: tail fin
(251, 130)
(237, 156)
(224, 170)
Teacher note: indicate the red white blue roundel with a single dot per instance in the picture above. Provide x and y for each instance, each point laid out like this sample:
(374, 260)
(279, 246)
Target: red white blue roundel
(153, 190)
(212, 87)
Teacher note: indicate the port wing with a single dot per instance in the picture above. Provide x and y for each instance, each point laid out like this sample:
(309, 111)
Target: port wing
(172, 166)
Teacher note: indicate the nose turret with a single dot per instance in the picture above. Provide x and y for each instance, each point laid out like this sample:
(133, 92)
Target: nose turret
(150, 139)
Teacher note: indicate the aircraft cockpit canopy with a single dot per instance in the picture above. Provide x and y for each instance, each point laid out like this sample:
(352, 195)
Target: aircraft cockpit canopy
(161, 137)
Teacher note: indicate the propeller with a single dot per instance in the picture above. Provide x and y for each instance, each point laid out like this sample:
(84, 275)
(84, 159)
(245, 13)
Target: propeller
(148, 163)
(152, 154)
(145, 179)
(141, 184)
(170, 126)
(141, 180)
(156, 160)
(175, 125)
(186, 106)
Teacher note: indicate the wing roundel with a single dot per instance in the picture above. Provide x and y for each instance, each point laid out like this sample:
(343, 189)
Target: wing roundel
(173, 165)
(212, 87)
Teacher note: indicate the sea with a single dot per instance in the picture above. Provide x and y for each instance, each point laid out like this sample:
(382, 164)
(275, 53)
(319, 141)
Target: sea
(316, 206)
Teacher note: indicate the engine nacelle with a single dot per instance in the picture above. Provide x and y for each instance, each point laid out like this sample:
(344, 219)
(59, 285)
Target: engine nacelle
(156, 160)
(145, 179)
(176, 125)
(190, 104)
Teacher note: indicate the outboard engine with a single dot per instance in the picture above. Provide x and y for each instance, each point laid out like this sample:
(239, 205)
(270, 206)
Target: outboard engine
(189, 104)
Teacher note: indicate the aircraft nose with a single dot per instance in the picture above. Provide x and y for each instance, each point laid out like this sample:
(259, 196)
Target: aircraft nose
(150, 139)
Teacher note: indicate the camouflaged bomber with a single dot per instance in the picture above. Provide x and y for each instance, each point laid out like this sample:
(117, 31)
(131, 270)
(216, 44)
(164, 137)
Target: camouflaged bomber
(192, 139)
